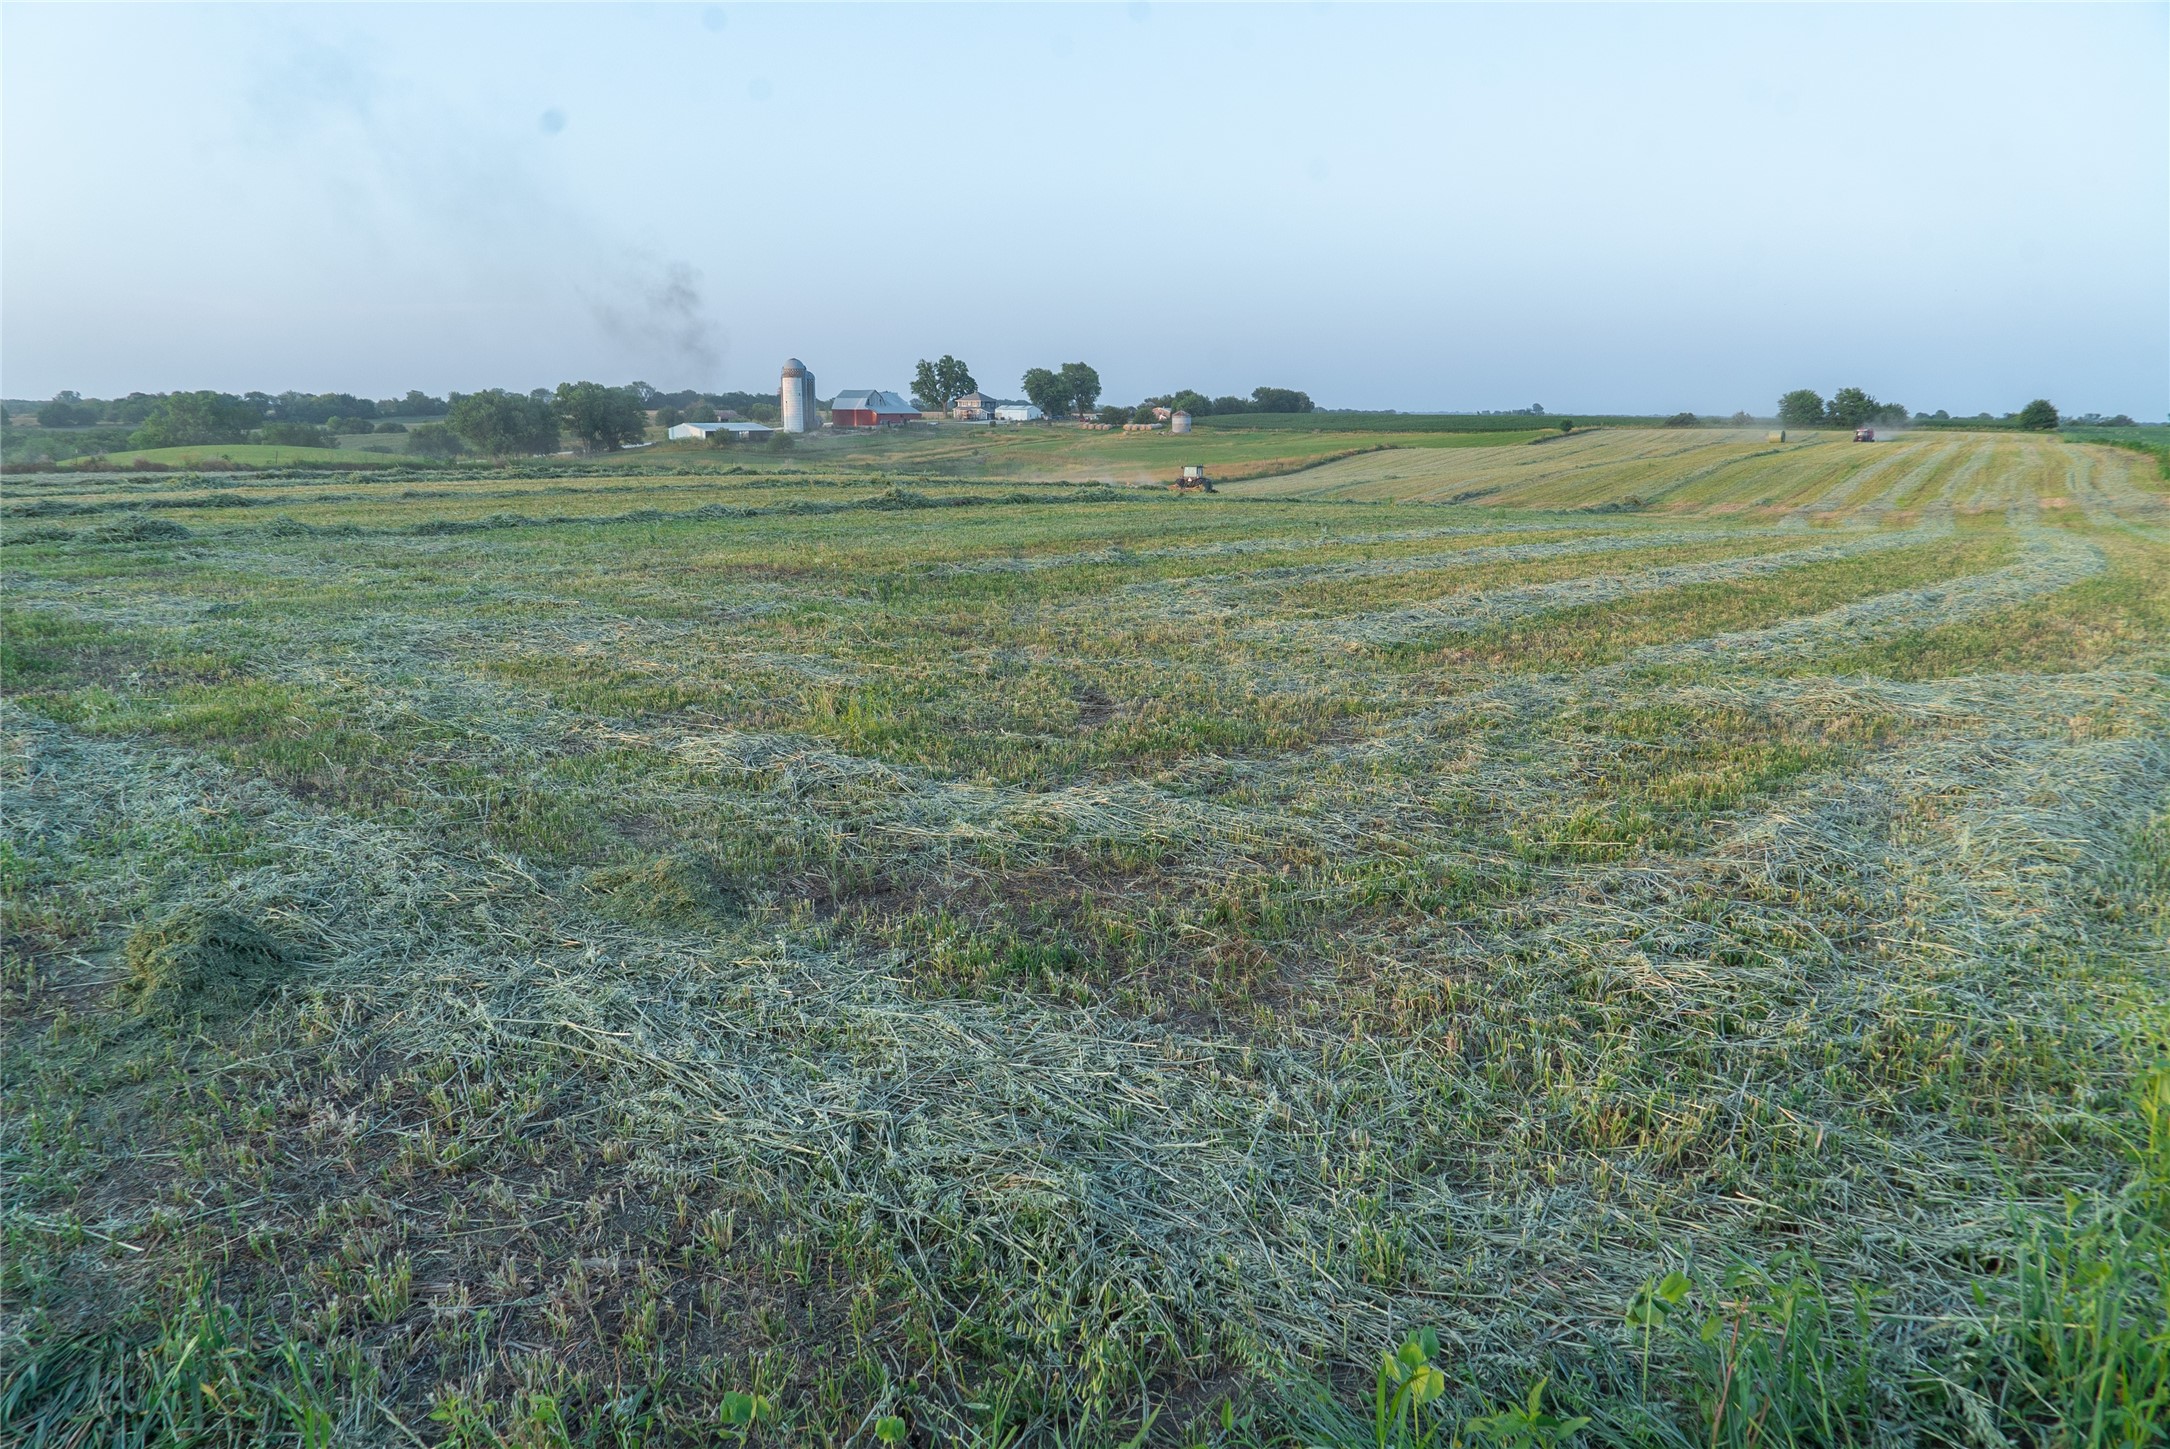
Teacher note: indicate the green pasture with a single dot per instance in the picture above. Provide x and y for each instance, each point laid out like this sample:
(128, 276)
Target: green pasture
(248, 455)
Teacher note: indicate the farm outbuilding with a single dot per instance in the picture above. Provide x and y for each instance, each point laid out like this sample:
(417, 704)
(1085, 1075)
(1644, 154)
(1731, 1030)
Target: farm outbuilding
(1018, 413)
(724, 432)
(870, 408)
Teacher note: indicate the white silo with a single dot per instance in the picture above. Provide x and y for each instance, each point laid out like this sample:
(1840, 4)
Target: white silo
(796, 394)
(1179, 422)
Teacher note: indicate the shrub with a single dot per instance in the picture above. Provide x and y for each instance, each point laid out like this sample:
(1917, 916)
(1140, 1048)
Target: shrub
(295, 435)
(434, 440)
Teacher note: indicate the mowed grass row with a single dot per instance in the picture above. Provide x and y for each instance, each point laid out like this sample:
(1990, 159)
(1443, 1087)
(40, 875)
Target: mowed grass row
(1814, 478)
(992, 964)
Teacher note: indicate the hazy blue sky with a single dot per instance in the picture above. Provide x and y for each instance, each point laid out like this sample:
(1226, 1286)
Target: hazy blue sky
(1614, 208)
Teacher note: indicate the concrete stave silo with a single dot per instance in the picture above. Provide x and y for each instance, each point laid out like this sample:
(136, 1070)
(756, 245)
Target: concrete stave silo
(795, 393)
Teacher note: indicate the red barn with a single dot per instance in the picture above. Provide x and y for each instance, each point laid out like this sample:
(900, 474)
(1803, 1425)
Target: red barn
(870, 409)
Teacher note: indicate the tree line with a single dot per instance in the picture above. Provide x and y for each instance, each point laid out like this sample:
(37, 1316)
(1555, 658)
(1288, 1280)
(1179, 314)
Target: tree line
(1852, 407)
(73, 410)
(496, 422)
(1198, 405)
(1074, 389)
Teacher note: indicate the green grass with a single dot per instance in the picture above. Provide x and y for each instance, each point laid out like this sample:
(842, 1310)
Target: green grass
(251, 455)
(632, 952)
(1346, 422)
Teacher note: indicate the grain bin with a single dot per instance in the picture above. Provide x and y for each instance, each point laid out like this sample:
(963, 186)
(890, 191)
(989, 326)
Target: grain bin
(1179, 422)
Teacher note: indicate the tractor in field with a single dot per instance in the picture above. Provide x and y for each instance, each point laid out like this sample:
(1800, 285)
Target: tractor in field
(1864, 435)
(1194, 480)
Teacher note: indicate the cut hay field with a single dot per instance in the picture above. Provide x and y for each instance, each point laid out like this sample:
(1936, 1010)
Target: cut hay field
(1073, 455)
(1811, 476)
(565, 959)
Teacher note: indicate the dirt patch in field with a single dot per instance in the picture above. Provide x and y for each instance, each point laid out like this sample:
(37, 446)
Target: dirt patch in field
(1094, 707)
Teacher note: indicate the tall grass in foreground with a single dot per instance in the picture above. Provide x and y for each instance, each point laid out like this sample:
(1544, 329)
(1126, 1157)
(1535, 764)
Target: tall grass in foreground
(2068, 1346)
(201, 1378)
(2072, 1345)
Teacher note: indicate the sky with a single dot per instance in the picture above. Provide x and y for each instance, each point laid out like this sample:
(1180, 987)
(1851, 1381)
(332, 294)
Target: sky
(1615, 208)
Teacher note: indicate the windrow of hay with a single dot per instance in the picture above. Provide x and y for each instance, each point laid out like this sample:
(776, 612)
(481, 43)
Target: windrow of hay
(1230, 594)
(1461, 612)
(2050, 560)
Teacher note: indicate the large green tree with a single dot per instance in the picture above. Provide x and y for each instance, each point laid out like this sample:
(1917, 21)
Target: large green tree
(503, 423)
(1801, 408)
(602, 418)
(1850, 407)
(1082, 385)
(195, 417)
(937, 384)
(2039, 415)
(1280, 400)
(1047, 391)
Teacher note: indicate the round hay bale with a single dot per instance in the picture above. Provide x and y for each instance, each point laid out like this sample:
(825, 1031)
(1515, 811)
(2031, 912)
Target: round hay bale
(203, 961)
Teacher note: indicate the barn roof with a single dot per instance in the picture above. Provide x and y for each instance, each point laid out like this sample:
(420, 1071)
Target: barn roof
(872, 400)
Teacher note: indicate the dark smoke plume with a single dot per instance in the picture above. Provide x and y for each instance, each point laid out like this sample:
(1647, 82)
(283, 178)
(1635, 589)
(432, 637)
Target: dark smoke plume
(662, 313)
